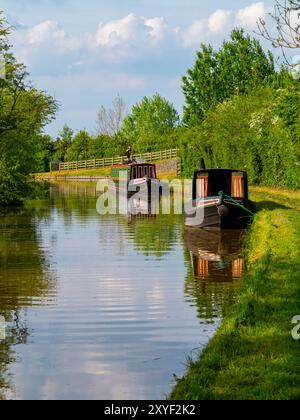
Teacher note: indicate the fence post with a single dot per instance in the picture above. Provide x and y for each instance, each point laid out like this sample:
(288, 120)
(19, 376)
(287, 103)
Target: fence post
(179, 167)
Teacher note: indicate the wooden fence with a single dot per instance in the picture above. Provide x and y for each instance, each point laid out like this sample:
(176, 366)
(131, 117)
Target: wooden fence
(108, 162)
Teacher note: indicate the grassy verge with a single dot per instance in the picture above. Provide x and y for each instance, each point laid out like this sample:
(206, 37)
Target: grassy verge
(80, 172)
(170, 176)
(253, 355)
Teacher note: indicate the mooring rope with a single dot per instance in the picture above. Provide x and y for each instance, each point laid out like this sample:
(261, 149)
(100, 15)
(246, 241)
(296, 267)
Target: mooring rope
(221, 194)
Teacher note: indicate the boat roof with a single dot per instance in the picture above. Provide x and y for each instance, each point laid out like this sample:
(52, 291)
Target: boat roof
(142, 164)
(221, 171)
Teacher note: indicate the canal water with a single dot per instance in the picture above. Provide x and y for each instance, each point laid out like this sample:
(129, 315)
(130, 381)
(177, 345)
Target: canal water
(106, 307)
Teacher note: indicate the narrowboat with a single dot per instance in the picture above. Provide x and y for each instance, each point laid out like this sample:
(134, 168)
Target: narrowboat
(216, 253)
(220, 199)
(139, 176)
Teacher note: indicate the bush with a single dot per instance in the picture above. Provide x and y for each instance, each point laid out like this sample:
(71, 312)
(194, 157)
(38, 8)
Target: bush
(257, 132)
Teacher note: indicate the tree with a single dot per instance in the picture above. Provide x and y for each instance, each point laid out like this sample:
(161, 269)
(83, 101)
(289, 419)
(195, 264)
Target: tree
(109, 121)
(286, 16)
(239, 66)
(150, 118)
(257, 131)
(24, 111)
(45, 153)
(96, 150)
(80, 147)
(63, 143)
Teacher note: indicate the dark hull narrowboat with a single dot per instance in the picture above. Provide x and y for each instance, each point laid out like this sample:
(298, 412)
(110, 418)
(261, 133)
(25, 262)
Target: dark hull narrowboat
(139, 178)
(220, 199)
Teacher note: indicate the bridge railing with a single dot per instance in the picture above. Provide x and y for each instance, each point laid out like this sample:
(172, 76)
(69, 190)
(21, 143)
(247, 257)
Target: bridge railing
(118, 160)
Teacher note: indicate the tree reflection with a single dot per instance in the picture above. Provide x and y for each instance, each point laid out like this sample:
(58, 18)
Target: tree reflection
(25, 280)
(74, 199)
(155, 236)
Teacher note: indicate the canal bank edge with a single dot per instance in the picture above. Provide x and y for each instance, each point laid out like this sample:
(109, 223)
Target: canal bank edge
(253, 356)
(166, 169)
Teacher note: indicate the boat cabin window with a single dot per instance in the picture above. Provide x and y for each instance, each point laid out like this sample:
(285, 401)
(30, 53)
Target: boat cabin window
(201, 267)
(212, 182)
(237, 185)
(202, 185)
(143, 171)
(134, 172)
(237, 268)
(140, 172)
(218, 181)
(152, 172)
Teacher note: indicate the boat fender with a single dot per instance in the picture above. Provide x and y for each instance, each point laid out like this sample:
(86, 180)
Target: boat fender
(223, 211)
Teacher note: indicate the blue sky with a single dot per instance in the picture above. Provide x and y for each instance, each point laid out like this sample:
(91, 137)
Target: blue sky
(85, 53)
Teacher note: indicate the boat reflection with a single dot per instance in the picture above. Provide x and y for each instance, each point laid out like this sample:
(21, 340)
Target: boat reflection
(215, 268)
(137, 208)
(215, 254)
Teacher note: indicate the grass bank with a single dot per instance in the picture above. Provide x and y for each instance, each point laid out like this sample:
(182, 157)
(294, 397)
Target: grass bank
(253, 355)
(79, 172)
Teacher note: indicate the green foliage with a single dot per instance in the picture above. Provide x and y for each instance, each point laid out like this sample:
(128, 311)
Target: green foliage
(152, 117)
(152, 142)
(96, 146)
(79, 147)
(238, 67)
(114, 146)
(45, 153)
(14, 186)
(256, 132)
(63, 143)
(24, 111)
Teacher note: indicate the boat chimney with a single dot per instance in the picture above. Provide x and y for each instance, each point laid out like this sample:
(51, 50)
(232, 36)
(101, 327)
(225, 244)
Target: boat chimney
(202, 164)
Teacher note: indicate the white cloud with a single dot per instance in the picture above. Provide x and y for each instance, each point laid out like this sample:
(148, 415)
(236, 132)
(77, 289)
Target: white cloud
(194, 34)
(51, 32)
(157, 27)
(219, 21)
(248, 16)
(200, 30)
(116, 32)
(130, 30)
(43, 32)
(48, 48)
